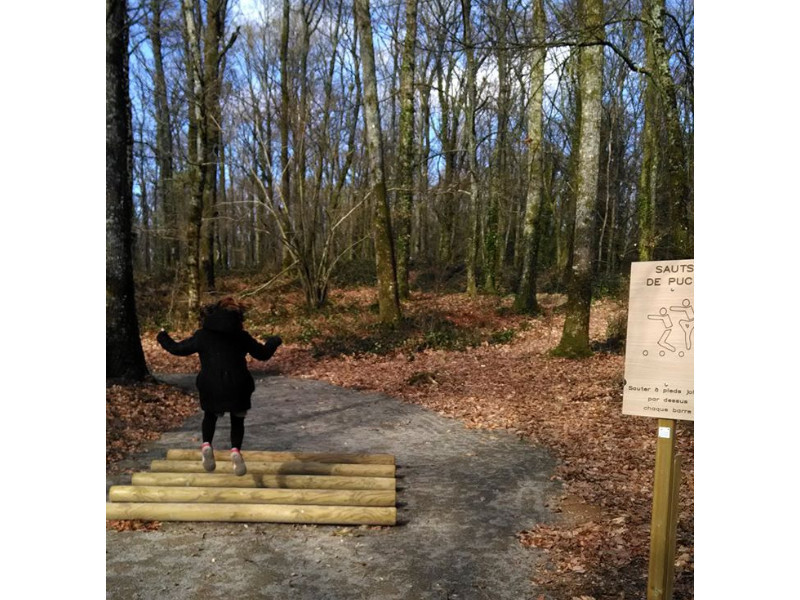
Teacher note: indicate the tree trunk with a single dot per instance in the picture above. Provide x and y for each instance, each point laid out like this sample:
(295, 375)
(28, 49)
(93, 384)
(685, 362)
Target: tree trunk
(124, 355)
(212, 86)
(646, 196)
(493, 238)
(388, 298)
(405, 151)
(679, 239)
(165, 195)
(445, 209)
(143, 240)
(525, 300)
(472, 152)
(423, 151)
(575, 338)
(197, 156)
(283, 125)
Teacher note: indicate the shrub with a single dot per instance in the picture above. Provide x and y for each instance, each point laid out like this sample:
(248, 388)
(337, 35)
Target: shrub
(502, 337)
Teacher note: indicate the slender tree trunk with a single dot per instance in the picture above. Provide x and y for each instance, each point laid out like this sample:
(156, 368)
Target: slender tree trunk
(575, 338)
(405, 151)
(223, 230)
(472, 149)
(124, 355)
(499, 175)
(525, 300)
(165, 196)
(283, 125)
(423, 202)
(144, 237)
(445, 194)
(388, 298)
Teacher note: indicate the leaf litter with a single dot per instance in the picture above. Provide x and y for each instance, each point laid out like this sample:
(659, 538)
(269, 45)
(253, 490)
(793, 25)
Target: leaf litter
(504, 378)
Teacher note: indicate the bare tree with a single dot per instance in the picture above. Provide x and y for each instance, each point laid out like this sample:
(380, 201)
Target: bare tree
(388, 298)
(165, 193)
(405, 151)
(664, 217)
(525, 300)
(575, 337)
(197, 154)
(472, 150)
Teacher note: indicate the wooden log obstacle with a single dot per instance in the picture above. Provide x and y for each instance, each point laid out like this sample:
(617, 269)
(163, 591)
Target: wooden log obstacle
(279, 487)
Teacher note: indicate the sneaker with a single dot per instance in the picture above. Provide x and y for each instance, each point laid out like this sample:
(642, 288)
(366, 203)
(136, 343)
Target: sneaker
(209, 464)
(239, 467)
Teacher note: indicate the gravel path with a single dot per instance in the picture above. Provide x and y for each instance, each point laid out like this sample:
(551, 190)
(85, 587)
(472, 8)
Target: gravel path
(462, 497)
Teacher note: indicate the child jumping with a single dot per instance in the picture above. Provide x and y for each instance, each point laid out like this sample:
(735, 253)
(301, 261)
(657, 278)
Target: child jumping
(224, 382)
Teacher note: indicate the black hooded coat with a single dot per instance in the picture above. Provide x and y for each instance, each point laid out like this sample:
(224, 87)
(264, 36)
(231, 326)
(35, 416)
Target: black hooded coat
(224, 382)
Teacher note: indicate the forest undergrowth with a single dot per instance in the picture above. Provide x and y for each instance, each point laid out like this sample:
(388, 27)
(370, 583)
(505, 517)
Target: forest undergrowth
(474, 360)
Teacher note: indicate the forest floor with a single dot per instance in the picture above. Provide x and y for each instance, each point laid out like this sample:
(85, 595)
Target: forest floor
(474, 360)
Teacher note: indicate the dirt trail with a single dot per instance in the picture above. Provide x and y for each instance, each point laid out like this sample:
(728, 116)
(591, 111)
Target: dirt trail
(462, 497)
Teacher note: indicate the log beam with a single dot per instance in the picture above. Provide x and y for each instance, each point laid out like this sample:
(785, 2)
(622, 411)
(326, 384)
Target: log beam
(267, 456)
(318, 482)
(248, 513)
(278, 468)
(213, 495)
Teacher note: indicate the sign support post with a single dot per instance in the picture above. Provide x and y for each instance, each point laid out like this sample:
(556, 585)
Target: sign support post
(665, 514)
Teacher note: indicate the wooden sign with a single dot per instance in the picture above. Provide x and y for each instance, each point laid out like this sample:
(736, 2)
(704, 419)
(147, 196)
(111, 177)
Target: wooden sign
(659, 352)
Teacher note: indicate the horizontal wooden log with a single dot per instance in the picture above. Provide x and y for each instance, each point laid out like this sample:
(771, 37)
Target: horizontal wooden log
(249, 513)
(141, 493)
(276, 468)
(268, 456)
(315, 482)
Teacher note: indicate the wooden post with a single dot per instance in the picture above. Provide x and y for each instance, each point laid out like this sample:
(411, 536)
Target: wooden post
(665, 512)
(673, 525)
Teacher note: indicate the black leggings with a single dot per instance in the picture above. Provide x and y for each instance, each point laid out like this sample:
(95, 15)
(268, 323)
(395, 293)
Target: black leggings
(210, 426)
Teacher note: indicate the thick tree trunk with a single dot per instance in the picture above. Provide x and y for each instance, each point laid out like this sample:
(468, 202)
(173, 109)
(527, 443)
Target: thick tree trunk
(525, 300)
(212, 81)
(124, 355)
(388, 298)
(575, 338)
(405, 151)
(197, 156)
(678, 205)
